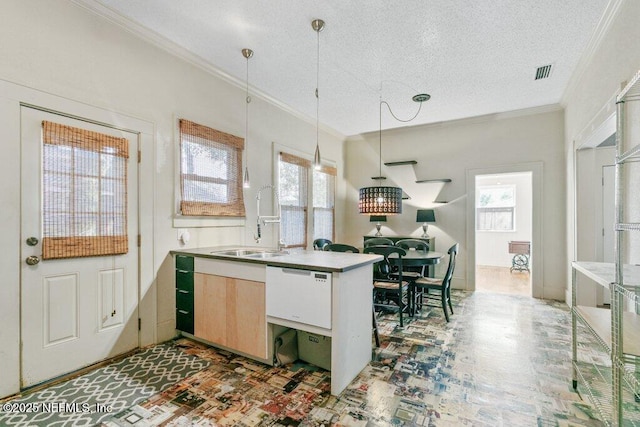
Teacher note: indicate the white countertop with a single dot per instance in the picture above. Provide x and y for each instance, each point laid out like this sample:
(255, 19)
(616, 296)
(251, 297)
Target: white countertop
(301, 259)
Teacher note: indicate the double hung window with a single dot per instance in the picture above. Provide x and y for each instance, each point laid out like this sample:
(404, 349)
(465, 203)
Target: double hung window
(297, 181)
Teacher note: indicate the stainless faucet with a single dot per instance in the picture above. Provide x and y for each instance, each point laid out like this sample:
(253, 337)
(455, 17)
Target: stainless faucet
(269, 219)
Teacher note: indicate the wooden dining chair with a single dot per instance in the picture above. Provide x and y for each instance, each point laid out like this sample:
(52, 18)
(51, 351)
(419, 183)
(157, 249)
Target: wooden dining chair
(319, 244)
(390, 292)
(416, 245)
(376, 241)
(441, 286)
(340, 247)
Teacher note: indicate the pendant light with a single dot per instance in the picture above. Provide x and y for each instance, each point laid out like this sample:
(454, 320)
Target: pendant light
(381, 200)
(247, 53)
(317, 25)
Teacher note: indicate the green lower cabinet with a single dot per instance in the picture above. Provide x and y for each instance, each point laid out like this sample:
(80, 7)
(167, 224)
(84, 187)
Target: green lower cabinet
(184, 293)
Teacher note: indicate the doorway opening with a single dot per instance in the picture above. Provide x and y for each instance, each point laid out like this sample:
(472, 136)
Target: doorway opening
(504, 232)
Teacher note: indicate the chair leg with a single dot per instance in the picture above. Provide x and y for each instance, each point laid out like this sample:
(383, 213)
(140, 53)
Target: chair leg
(375, 326)
(449, 299)
(444, 305)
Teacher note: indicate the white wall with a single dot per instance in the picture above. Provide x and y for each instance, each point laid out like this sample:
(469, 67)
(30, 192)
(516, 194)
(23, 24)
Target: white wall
(589, 102)
(448, 150)
(492, 247)
(65, 50)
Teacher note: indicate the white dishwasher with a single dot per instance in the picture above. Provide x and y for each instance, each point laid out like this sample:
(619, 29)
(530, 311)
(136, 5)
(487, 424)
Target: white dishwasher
(299, 295)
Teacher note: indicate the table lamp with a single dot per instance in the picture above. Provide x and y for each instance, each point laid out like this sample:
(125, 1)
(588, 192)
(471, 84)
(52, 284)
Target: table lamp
(424, 216)
(378, 219)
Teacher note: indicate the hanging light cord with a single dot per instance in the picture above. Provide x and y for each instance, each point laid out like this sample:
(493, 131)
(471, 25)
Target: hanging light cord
(246, 120)
(317, 85)
(396, 117)
(380, 141)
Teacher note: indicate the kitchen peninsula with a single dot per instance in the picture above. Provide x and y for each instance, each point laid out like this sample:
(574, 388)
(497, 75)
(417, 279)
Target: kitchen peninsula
(241, 298)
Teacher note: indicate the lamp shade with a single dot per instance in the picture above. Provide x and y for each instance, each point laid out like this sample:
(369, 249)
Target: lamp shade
(426, 215)
(378, 218)
(380, 200)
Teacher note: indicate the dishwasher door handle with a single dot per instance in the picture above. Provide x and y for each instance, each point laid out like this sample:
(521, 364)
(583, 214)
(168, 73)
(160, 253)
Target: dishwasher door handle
(296, 272)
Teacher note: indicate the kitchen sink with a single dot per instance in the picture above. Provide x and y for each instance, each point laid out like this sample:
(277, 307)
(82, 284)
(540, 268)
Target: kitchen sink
(266, 254)
(250, 253)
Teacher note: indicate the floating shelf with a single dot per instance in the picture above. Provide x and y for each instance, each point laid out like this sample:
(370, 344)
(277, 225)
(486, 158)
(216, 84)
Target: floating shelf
(424, 181)
(401, 163)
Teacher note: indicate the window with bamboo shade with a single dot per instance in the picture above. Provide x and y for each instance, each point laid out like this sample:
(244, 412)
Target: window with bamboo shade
(84, 183)
(210, 172)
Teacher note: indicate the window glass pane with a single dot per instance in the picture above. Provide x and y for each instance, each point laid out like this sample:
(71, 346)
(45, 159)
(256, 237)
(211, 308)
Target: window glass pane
(291, 185)
(322, 223)
(111, 200)
(57, 224)
(199, 191)
(57, 158)
(205, 160)
(496, 196)
(112, 225)
(57, 193)
(112, 166)
(495, 219)
(87, 194)
(293, 223)
(86, 162)
(85, 225)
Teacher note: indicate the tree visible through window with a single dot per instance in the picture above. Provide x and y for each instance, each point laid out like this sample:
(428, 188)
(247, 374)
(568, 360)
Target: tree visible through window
(495, 208)
(210, 171)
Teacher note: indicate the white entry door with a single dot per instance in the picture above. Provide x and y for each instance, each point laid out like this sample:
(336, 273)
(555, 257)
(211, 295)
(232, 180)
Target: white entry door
(76, 310)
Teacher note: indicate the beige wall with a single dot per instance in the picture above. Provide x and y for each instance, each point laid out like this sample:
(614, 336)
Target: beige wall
(590, 100)
(60, 48)
(449, 150)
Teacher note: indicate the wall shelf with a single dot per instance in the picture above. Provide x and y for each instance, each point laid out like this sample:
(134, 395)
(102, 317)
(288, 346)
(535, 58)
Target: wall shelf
(401, 163)
(425, 181)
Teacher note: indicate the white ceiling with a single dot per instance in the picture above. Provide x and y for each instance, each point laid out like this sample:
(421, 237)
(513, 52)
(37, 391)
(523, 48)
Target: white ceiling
(472, 57)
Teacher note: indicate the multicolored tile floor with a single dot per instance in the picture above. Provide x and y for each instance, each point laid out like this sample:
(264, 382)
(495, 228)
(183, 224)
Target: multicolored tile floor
(502, 361)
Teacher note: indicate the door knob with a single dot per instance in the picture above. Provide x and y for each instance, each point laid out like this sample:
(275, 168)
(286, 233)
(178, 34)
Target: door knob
(32, 260)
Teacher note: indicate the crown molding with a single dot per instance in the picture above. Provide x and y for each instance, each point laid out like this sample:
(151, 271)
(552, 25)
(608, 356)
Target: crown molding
(484, 118)
(605, 23)
(174, 49)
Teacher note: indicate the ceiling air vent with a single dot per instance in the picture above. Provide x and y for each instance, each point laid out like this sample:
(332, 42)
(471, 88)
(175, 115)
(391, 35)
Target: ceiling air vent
(543, 72)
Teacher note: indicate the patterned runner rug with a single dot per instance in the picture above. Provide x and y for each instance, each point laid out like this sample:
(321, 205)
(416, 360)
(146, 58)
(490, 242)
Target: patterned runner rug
(90, 398)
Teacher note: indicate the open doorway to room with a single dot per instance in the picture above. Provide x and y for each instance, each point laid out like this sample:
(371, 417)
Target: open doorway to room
(503, 233)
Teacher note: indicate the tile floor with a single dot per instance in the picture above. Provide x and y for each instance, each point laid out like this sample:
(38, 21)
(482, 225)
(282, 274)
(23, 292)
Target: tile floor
(503, 360)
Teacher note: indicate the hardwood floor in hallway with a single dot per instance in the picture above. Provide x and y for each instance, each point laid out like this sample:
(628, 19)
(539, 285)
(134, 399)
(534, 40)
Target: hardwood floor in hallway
(503, 281)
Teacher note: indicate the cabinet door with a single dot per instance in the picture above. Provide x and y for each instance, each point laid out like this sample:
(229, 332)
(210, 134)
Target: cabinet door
(210, 308)
(246, 318)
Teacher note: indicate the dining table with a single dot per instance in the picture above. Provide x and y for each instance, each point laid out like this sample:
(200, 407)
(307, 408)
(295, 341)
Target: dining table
(415, 258)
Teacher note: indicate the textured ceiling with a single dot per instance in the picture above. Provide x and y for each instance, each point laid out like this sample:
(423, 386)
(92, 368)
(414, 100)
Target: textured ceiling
(472, 57)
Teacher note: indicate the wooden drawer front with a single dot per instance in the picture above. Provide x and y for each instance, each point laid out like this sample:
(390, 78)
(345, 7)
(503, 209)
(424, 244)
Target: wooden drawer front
(184, 320)
(184, 280)
(184, 262)
(184, 300)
